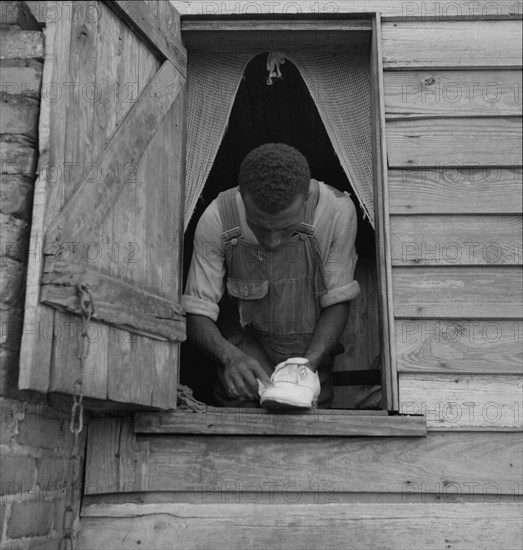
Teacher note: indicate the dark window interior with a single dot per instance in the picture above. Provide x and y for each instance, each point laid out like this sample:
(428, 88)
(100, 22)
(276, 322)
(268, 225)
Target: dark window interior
(286, 112)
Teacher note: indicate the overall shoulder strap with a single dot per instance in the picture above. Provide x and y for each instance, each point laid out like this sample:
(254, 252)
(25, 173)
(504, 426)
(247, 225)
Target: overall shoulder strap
(307, 223)
(229, 214)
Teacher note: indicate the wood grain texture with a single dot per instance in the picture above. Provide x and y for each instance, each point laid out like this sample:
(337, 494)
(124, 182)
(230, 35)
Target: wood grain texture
(456, 240)
(116, 302)
(459, 347)
(442, 45)
(257, 36)
(411, 94)
(454, 190)
(102, 473)
(458, 292)
(35, 351)
(336, 526)
(146, 218)
(152, 30)
(106, 114)
(115, 461)
(78, 150)
(133, 459)
(192, 463)
(334, 424)
(110, 67)
(92, 201)
(195, 463)
(379, 160)
(391, 10)
(460, 402)
(458, 142)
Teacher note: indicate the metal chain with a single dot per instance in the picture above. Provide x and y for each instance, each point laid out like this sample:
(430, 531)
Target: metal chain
(72, 496)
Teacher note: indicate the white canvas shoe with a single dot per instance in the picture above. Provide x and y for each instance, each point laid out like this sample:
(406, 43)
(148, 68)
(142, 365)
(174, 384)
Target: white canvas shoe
(293, 386)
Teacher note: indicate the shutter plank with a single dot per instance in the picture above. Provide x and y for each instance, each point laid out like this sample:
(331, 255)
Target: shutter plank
(133, 355)
(125, 228)
(36, 348)
(79, 149)
(150, 231)
(105, 119)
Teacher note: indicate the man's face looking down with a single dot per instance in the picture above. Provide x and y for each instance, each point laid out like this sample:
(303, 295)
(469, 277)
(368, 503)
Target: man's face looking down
(273, 229)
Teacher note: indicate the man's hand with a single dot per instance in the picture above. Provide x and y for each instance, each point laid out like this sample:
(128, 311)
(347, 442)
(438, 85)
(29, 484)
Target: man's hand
(240, 376)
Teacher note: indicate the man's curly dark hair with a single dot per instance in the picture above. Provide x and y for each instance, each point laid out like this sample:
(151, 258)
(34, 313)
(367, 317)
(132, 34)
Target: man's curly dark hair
(273, 175)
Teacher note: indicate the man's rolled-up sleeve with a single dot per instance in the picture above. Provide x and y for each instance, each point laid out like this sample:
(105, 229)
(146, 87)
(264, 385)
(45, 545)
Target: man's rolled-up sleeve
(205, 281)
(341, 259)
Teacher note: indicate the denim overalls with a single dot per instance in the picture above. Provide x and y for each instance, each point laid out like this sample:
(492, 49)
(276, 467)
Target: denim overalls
(277, 292)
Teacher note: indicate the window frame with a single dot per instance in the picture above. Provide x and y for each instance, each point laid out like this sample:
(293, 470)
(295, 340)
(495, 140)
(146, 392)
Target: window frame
(207, 33)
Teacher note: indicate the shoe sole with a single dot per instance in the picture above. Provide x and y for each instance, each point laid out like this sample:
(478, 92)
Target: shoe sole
(274, 404)
(282, 399)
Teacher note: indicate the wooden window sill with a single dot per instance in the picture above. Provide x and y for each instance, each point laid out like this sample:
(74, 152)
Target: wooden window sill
(233, 421)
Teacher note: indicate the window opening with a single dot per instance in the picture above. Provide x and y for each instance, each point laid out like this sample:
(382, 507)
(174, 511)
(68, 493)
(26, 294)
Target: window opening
(286, 112)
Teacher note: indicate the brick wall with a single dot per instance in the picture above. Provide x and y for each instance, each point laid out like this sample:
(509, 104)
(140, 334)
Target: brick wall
(35, 440)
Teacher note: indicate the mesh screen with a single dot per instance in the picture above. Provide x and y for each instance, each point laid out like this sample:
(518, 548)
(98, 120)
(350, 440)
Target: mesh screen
(339, 83)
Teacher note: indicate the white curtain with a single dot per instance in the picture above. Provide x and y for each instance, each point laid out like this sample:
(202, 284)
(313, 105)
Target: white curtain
(339, 83)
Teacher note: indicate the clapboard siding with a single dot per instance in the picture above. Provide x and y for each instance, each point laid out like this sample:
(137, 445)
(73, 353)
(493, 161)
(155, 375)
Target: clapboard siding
(296, 526)
(455, 347)
(121, 461)
(452, 93)
(461, 402)
(455, 141)
(458, 292)
(442, 45)
(353, 465)
(453, 190)
(456, 240)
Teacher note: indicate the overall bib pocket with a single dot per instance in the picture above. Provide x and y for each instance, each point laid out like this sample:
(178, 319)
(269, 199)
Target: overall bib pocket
(252, 307)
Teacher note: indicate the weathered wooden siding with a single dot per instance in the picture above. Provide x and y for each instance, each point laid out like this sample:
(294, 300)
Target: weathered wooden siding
(453, 116)
(454, 148)
(258, 526)
(224, 492)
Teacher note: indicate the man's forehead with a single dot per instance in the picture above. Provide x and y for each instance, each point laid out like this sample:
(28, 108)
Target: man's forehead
(254, 212)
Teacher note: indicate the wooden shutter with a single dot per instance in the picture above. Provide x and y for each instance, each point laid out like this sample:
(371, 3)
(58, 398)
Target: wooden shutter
(108, 207)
